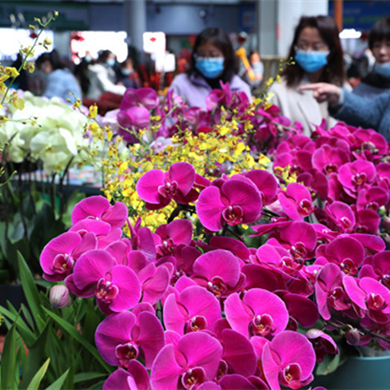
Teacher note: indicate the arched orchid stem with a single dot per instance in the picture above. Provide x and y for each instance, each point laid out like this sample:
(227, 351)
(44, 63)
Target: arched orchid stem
(234, 233)
(341, 325)
(270, 214)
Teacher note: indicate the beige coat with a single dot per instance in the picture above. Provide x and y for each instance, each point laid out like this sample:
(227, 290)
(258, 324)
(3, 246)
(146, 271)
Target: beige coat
(300, 106)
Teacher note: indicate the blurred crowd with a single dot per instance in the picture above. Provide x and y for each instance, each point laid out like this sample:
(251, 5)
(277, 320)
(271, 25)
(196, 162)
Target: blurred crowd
(315, 56)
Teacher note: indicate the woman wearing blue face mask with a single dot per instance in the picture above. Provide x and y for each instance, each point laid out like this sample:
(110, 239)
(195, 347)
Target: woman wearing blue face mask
(377, 81)
(102, 76)
(213, 60)
(317, 57)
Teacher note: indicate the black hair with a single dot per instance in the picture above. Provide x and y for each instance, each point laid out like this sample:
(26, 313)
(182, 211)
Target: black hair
(333, 71)
(220, 39)
(53, 57)
(380, 32)
(103, 55)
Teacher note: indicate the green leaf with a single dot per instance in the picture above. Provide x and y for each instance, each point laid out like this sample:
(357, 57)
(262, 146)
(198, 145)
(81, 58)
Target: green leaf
(36, 356)
(87, 376)
(73, 332)
(328, 365)
(31, 292)
(59, 382)
(36, 381)
(8, 361)
(26, 333)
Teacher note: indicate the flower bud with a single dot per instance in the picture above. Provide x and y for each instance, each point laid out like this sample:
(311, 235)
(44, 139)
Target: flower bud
(59, 296)
(352, 336)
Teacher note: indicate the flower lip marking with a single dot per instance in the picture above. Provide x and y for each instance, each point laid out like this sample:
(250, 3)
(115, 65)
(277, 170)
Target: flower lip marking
(126, 352)
(262, 325)
(359, 179)
(168, 189)
(106, 291)
(63, 263)
(233, 215)
(194, 376)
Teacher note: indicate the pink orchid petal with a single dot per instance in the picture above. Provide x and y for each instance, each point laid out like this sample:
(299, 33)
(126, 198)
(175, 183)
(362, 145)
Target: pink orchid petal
(113, 331)
(147, 186)
(238, 314)
(93, 206)
(116, 215)
(209, 208)
(92, 266)
(184, 174)
(154, 288)
(129, 288)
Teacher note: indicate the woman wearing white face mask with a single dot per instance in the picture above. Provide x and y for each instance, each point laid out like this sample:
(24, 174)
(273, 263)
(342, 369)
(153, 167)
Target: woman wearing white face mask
(213, 60)
(317, 57)
(377, 81)
(102, 76)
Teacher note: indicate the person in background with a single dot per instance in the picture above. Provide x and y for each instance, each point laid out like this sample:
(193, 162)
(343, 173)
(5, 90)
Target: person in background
(127, 76)
(369, 113)
(60, 82)
(81, 72)
(378, 80)
(317, 56)
(213, 60)
(102, 76)
(257, 68)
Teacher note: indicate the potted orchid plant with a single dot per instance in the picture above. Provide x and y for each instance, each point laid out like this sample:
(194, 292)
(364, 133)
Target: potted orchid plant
(234, 277)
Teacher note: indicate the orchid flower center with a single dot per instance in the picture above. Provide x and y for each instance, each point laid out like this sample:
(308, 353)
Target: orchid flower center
(359, 179)
(262, 325)
(126, 352)
(106, 291)
(292, 373)
(217, 286)
(368, 145)
(291, 266)
(298, 251)
(168, 190)
(376, 302)
(346, 223)
(166, 247)
(305, 207)
(372, 206)
(63, 263)
(222, 369)
(194, 376)
(198, 323)
(348, 267)
(330, 168)
(233, 215)
(386, 280)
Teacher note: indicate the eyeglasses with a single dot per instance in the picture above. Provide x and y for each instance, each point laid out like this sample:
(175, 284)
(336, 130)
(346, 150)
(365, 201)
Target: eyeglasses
(318, 46)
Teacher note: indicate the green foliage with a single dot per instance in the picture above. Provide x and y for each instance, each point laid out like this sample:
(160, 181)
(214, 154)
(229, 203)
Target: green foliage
(60, 343)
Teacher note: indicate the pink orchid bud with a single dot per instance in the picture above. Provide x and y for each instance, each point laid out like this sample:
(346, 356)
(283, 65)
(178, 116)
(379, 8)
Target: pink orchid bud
(59, 296)
(352, 336)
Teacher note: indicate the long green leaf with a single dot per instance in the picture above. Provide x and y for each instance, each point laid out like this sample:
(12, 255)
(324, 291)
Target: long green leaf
(31, 292)
(87, 376)
(36, 381)
(8, 360)
(59, 382)
(36, 356)
(26, 333)
(72, 331)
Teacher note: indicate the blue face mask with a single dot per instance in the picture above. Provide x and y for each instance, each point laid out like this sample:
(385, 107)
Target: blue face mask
(111, 62)
(311, 61)
(209, 67)
(125, 71)
(382, 69)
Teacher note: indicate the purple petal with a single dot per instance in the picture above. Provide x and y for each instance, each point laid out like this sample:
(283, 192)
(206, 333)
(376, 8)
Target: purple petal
(165, 370)
(147, 186)
(155, 287)
(92, 266)
(116, 215)
(238, 314)
(184, 175)
(129, 288)
(118, 380)
(113, 331)
(209, 208)
(93, 206)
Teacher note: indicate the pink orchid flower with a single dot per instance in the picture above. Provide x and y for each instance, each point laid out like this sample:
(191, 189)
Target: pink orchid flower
(296, 201)
(288, 360)
(378, 268)
(260, 313)
(323, 344)
(121, 338)
(136, 377)
(234, 202)
(157, 188)
(96, 273)
(328, 159)
(141, 97)
(192, 361)
(193, 309)
(99, 208)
